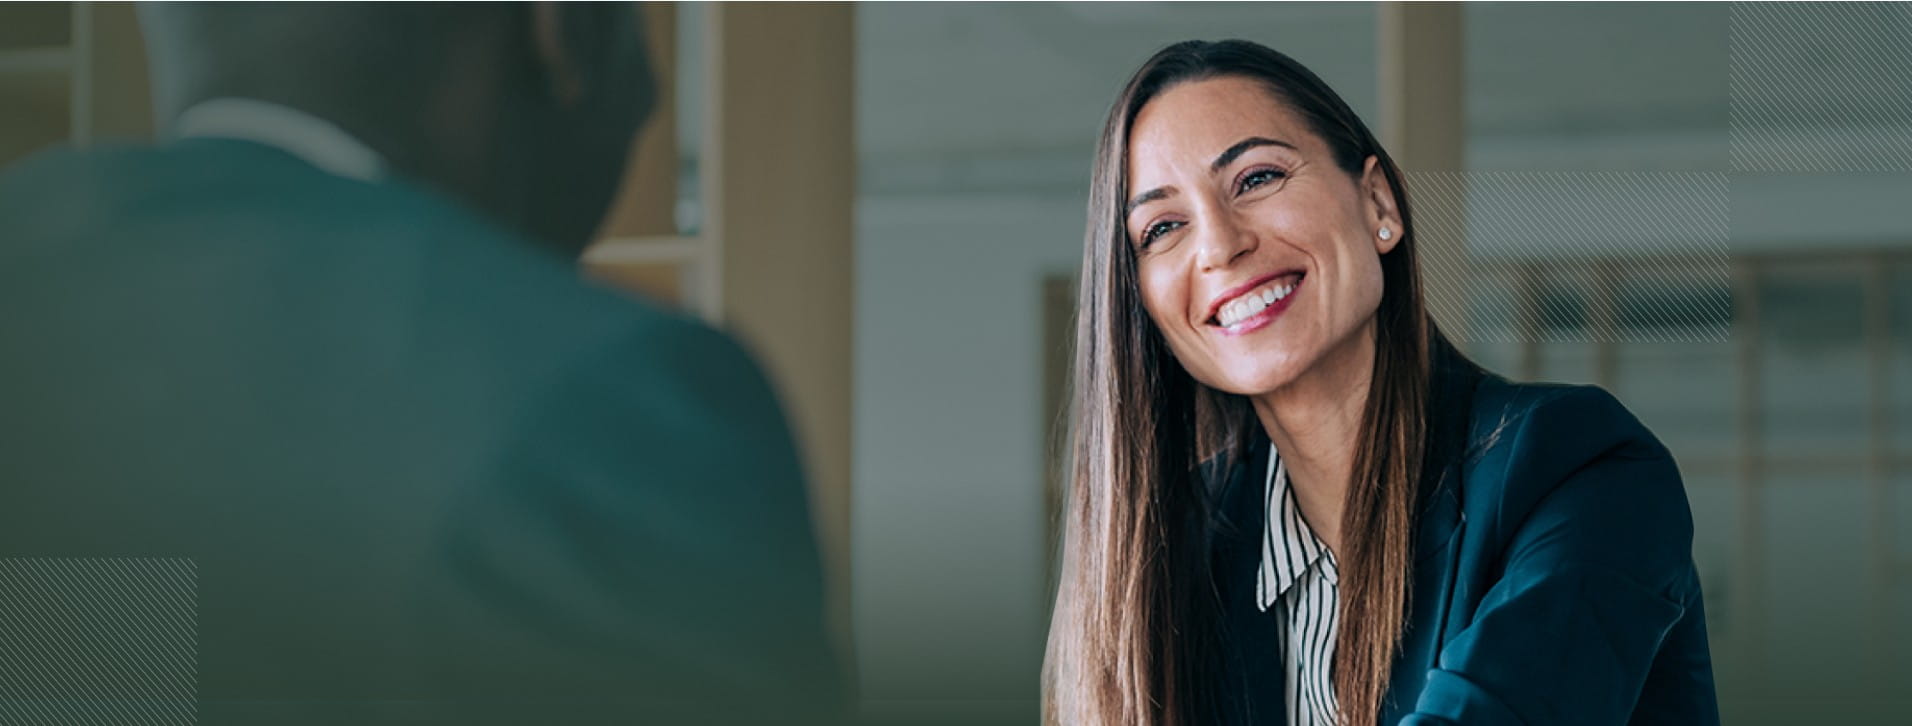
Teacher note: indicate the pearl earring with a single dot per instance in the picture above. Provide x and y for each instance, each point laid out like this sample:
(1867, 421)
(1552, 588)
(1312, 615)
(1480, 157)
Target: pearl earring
(1386, 234)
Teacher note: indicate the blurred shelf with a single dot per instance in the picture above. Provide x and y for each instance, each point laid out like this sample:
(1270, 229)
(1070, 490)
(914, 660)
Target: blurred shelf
(52, 59)
(644, 250)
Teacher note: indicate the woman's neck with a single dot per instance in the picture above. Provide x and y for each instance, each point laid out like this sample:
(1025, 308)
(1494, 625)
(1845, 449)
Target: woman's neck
(1314, 422)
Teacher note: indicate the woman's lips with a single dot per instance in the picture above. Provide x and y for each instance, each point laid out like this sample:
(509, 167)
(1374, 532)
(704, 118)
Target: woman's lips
(1258, 307)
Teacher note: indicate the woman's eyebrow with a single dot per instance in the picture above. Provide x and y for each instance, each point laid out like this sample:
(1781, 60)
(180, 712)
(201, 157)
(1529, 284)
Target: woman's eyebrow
(1227, 157)
(1241, 147)
(1146, 197)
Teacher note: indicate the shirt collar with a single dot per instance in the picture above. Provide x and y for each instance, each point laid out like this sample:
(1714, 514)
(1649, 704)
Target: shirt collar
(1289, 548)
(315, 140)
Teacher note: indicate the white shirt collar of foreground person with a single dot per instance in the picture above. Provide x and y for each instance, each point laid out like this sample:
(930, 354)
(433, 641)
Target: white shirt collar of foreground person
(315, 140)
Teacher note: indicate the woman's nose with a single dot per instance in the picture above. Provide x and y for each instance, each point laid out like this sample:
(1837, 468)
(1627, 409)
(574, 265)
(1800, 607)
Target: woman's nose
(1222, 240)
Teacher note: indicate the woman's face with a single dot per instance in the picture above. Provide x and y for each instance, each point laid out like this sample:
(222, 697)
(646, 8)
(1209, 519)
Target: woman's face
(1257, 255)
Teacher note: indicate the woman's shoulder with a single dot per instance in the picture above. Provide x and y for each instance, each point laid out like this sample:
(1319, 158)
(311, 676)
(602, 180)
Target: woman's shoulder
(1506, 415)
(1528, 442)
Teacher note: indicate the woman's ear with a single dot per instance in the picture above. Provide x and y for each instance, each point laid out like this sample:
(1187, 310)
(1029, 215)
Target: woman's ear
(1382, 216)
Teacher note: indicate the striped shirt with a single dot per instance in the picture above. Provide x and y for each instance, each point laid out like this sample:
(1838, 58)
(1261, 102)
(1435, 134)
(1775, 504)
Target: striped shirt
(1298, 583)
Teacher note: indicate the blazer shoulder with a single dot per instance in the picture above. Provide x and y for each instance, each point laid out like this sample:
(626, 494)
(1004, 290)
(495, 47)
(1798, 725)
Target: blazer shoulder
(1527, 440)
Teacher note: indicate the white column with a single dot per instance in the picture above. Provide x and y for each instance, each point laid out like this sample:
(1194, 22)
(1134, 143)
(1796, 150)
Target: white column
(1423, 125)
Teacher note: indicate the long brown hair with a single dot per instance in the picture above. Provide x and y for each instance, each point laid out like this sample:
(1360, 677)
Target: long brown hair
(1133, 626)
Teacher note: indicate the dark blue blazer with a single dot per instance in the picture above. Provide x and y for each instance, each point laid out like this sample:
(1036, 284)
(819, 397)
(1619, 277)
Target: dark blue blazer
(1553, 579)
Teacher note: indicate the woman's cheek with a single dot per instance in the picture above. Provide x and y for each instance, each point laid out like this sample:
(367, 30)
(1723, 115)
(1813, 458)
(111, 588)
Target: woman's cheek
(1160, 297)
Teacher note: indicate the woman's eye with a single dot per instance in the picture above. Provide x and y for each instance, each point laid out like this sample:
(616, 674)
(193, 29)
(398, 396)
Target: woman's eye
(1259, 177)
(1158, 229)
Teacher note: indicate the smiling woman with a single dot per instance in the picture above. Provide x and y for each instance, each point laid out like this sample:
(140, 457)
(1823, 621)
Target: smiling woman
(1214, 282)
(1292, 500)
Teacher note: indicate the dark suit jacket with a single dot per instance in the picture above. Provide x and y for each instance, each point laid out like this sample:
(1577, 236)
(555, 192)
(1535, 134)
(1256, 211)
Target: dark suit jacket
(1553, 580)
(412, 466)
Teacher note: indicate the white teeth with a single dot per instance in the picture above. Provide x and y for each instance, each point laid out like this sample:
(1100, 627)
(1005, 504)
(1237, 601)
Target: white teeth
(1241, 309)
(1246, 306)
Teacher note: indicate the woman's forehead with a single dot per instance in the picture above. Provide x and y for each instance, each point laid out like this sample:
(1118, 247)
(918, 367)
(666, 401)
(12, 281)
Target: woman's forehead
(1191, 124)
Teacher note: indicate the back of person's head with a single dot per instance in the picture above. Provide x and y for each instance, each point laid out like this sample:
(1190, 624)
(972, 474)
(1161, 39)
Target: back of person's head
(524, 110)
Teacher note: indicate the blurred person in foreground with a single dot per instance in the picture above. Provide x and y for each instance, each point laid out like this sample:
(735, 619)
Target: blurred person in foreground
(329, 343)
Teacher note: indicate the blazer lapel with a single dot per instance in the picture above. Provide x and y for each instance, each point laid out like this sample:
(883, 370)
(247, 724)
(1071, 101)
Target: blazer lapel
(1439, 527)
(1436, 550)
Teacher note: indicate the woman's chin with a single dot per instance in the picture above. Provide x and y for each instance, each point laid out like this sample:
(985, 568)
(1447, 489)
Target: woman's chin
(1253, 382)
